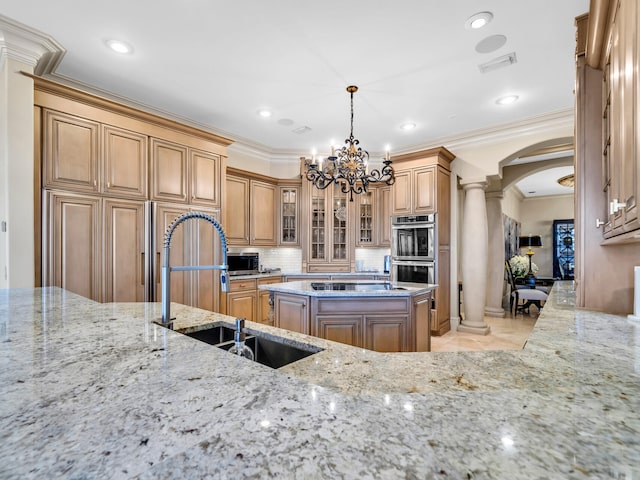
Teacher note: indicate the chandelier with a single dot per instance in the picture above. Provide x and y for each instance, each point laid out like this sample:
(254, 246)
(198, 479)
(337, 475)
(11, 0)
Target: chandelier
(348, 166)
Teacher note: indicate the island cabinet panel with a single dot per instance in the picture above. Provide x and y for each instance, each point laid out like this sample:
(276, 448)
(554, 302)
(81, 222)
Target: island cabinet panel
(125, 162)
(340, 328)
(422, 322)
(169, 171)
(292, 312)
(70, 152)
(387, 333)
(265, 312)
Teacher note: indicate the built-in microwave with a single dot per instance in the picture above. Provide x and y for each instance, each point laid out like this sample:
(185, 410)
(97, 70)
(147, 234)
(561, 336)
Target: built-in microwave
(413, 237)
(243, 263)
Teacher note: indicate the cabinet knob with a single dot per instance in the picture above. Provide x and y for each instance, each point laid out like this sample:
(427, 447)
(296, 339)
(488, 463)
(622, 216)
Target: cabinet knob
(599, 223)
(615, 206)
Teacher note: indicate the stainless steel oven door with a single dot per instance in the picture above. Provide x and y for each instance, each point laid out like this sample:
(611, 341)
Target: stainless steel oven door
(413, 242)
(413, 272)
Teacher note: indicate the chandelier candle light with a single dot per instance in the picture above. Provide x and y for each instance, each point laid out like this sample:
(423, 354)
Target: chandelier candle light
(349, 166)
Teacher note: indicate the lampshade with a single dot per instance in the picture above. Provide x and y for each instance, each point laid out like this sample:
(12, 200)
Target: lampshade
(530, 241)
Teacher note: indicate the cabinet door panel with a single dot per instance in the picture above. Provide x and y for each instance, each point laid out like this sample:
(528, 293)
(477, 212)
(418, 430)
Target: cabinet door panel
(289, 220)
(74, 244)
(343, 329)
(205, 177)
(263, 209)
(179, 254)
(205, 244)
(402, 193)
(292, 312)
(383, 216)
(237, 221)
(424, 190)
(70, 152)
(124, 248)
(386, 334)
(168, 171)
(242, 305)
(125, 162)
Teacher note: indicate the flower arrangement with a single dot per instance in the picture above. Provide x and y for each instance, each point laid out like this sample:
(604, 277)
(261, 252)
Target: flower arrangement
(520, 266)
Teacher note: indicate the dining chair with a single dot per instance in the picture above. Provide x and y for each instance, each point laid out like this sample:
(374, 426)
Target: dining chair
(531, 296)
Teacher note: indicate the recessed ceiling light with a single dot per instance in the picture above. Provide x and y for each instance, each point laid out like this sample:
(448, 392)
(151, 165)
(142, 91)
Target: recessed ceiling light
(478, 20)
(408, 126)
(508, 100)
(264, 113)
(119, 46)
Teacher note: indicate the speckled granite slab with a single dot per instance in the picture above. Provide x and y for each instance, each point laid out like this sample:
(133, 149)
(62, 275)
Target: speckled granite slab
(101, 391)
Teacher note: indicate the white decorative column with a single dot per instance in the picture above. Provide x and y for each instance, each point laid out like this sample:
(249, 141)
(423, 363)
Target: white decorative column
(495, 256)
(474, 259)
(21, 50)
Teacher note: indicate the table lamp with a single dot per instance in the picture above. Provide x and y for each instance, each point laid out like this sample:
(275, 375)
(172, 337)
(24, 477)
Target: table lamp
(530, 242)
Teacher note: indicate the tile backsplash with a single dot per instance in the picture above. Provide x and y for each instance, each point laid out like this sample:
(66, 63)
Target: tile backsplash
(289, 259)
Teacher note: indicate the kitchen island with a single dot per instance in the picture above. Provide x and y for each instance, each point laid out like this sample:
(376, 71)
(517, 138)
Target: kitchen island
(377, 315)
(92, 390)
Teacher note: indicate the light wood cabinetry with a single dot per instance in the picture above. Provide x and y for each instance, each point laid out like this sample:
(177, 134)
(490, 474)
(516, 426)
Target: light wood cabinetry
(245, 300)
(95, 247)
(251, 209)
(262, 213)
(125, 251)
(384, 216)
(289, 218)
(374, 218)
(292, 312)
(265, 312)
(344, 329)
(423, 186)
(125, 163)
(102, 164)
(329, 224)
(620, 117)
(387, 333)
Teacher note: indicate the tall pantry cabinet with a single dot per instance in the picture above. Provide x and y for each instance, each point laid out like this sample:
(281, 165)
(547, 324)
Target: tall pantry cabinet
(112, 179)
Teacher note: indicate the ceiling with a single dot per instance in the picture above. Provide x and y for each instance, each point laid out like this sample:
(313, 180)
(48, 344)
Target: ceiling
(215, 64)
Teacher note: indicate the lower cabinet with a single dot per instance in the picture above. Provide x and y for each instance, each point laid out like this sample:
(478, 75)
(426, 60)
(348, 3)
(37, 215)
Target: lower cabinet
(292, 312)
(398, 324)
(245, 300)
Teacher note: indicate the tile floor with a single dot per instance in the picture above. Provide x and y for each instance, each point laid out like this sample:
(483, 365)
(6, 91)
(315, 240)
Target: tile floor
(508, 333)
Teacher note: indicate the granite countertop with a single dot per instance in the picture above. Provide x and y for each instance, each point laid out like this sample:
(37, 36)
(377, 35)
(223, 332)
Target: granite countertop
(278, 273)
(363, 288)
(93, 390)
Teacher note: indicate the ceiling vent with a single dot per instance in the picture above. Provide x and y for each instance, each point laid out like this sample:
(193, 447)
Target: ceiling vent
(500, 62)
(301, 130)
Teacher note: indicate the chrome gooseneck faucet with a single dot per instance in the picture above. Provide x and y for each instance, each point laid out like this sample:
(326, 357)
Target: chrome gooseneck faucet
(166, 269)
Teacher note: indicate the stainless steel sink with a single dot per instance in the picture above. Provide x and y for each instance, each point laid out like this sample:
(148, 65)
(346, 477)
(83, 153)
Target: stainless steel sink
(267, 351)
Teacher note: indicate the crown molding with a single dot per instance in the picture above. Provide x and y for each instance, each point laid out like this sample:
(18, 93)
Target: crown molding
(29, 46)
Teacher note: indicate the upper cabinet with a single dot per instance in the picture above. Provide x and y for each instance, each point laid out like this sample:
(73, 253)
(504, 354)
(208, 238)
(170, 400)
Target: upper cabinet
(205, 177)
(124, 156)
(620, 118)
(374, 217)
(250, 209)
(414, 191)
(289, 213)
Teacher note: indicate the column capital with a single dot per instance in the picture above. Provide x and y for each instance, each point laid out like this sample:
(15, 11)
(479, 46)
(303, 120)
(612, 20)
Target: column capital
(29, 46)
(473, 185)
(494, 194)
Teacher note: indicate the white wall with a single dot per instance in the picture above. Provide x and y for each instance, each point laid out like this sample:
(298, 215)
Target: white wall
(537, 215)
(511, 203)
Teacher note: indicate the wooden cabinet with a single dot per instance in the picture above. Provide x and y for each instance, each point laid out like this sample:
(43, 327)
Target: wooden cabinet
(205, 174)
(124, 249)
(125, 162)
(194, 242)
(241, 299)
(250, 210)
(289, 218)
(265, 312)
(237, 210)
(387, 333)
(383, 216)
(620, 117)
(344, 329)
(169, 170)
(95, 247)
(262, 213)
(423, 186)
(84, 156)
(330, 244)
(292, 312)
(414, 191)
(374, 218)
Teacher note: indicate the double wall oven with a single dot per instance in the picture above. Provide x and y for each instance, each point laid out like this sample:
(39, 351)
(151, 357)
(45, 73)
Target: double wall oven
(413, 248)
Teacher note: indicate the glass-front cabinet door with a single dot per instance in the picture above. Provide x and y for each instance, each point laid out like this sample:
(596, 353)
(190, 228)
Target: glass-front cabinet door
(365, 218)
(330, 224)
(289, 216)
